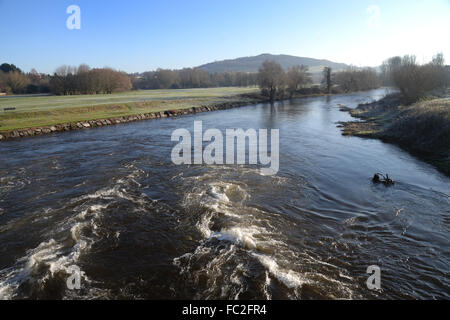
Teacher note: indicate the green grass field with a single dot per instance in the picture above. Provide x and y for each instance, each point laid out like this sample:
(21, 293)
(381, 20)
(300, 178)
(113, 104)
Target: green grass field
(35, 111)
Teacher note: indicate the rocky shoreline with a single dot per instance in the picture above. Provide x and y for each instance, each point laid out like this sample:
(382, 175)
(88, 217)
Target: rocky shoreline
(80, 125)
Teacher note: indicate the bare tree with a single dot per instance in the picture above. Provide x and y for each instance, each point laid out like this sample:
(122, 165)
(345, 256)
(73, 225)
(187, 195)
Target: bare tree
(414, 80)
(354, 79)
(297, 77)
(3, 86)
(271, 79)
(82, 80)
(17, 81)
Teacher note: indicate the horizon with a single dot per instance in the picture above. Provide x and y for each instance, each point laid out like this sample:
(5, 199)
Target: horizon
(146, 36)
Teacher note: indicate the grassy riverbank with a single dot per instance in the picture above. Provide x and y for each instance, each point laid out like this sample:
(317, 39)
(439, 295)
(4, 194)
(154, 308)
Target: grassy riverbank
(422, 128)
(38, 111)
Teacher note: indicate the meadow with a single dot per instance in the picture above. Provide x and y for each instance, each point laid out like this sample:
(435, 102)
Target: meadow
(35, 111)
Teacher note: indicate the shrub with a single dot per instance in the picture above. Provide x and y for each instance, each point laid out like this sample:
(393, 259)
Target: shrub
(414, 80)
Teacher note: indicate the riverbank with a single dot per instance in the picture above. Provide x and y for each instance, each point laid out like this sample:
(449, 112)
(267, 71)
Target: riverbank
(239, 101)
(36, 116)
(30, 116)
(423, 128)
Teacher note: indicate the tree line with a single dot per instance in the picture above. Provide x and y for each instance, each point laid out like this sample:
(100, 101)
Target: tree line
(13, 80)
(68, 80)
(84, 80)
(191, 78)
(354, 79)
(412, 79)
(277, 83)
(415, 80)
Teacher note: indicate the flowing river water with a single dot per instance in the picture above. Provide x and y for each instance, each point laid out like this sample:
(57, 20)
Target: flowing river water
(110, 201)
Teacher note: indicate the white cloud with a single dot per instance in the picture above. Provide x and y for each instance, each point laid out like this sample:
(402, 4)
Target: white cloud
(374, 19)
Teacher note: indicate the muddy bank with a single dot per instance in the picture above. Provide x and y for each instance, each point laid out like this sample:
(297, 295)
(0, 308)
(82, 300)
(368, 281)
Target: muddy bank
(423, 129)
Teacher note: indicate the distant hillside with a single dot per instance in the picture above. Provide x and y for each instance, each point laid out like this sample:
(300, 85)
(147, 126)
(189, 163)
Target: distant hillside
(252, 64)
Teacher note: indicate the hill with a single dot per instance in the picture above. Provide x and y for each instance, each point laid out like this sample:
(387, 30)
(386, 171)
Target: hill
(252, 64)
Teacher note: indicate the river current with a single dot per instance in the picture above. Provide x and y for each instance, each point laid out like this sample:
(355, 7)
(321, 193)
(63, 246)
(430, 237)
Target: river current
(111, 202)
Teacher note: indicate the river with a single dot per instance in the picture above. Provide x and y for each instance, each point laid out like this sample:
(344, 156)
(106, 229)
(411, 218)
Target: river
(110, 201)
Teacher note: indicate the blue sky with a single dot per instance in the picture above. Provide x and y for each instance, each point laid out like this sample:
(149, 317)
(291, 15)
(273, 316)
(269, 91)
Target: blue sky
(144, 35)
